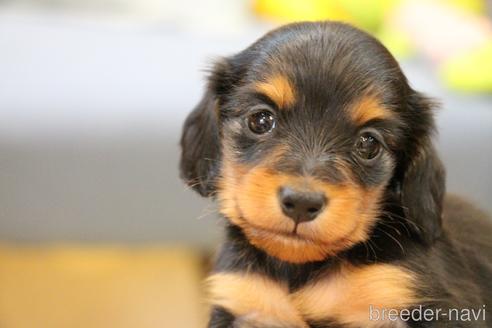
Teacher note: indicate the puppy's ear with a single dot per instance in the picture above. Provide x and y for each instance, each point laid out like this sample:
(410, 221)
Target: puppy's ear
(422, 184)
(200, 139)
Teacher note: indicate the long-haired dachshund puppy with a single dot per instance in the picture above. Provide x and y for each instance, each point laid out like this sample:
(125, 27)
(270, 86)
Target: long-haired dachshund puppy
(319, 155)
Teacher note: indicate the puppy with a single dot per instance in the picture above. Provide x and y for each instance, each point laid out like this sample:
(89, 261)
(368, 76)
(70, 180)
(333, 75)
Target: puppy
(319, 155)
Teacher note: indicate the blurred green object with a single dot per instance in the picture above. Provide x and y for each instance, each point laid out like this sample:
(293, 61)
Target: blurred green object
(470, 72)
(397, 42)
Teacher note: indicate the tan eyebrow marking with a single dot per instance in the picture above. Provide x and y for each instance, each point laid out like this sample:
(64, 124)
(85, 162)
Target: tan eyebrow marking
(369, 108)
(279, 89)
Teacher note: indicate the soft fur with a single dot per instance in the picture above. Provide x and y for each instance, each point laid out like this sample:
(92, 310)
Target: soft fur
(388, 237)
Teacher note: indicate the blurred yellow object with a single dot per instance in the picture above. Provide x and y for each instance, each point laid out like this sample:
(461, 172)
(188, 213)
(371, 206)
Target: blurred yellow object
(473, 6)
(469, 72)
(366, 14)
(60, 287)
(297, 10)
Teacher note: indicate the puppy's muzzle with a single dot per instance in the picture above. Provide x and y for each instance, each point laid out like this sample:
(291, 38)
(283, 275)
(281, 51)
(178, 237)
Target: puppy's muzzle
(301, 206)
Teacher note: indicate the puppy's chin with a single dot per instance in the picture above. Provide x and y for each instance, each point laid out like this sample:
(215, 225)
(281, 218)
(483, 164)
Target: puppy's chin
(292, 247)
(312, 241)
(249, 200)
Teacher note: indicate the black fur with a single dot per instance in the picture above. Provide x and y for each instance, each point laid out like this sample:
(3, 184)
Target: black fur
(447, 243)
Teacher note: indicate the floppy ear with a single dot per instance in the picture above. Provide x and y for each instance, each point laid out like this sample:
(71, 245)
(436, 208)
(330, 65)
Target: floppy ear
(200, 139)
(422, 185)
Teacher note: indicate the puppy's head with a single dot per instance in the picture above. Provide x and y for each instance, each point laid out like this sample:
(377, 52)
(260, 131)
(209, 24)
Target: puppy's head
(306, 137)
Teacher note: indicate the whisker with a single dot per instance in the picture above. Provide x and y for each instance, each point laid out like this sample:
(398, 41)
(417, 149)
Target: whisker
(394, 239)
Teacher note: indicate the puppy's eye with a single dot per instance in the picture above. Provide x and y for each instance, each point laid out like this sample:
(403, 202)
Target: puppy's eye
(367, 147)
(261, 122)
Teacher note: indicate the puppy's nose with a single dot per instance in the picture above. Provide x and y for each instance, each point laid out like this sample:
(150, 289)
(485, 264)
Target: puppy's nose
(301, 206)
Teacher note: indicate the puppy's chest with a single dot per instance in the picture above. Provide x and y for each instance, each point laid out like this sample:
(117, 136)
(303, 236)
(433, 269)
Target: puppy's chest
(346, 297)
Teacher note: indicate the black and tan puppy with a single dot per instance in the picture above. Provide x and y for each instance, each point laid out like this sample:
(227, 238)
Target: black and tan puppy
(319, 154)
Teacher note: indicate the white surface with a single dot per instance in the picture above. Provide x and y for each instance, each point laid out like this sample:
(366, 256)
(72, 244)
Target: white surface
(71, 76)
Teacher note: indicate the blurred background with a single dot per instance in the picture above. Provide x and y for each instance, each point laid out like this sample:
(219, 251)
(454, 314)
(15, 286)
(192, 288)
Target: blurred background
(96, 229)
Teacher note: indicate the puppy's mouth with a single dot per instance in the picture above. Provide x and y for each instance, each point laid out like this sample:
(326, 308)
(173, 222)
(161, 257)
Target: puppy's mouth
(285, 234)
(293, 246)
(289, 236)
(296, 243)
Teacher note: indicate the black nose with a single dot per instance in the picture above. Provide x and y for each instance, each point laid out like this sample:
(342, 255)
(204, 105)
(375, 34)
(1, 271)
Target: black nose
(301, 206)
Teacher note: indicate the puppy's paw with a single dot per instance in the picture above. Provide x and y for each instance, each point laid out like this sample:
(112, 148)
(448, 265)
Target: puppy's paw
(261, 321)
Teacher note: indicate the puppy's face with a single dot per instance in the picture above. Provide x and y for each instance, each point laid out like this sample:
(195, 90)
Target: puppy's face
(305, 137)
(304, 170)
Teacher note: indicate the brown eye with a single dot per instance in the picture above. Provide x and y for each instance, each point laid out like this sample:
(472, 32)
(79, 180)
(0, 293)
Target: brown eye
(367, 147)
(261, 122)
